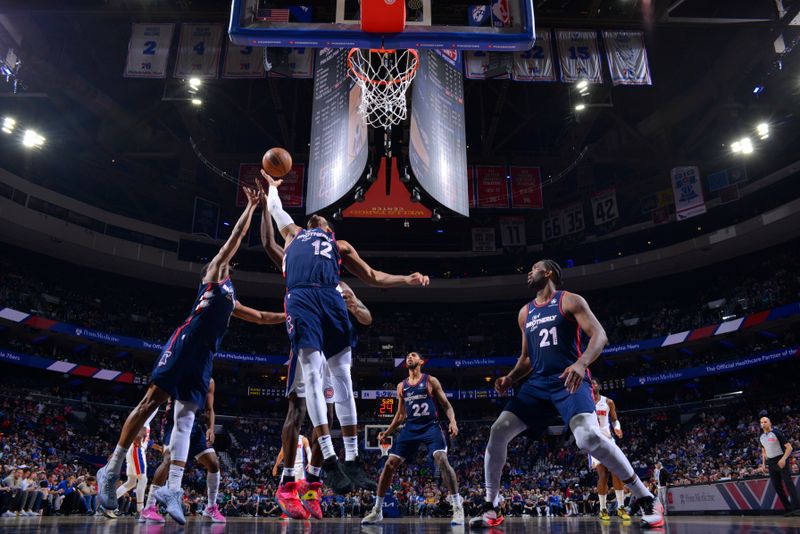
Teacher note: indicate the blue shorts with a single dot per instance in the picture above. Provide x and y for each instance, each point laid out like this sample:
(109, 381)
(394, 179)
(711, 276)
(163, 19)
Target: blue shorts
(540, 397)
(197, 441)
(184, 367)
(410, 438)
(317, 318)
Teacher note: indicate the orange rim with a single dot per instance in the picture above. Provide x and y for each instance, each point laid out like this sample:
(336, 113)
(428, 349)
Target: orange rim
(410, 74)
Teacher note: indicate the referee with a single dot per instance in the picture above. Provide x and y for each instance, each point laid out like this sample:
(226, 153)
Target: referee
(775, 450)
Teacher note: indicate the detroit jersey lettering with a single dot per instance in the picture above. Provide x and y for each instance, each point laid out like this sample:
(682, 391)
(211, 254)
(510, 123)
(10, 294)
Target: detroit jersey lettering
(554, 340)
(312, 260)
(420, 406)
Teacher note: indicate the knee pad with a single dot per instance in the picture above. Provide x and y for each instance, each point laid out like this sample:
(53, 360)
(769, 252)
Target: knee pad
(586, 430)
(182, 428)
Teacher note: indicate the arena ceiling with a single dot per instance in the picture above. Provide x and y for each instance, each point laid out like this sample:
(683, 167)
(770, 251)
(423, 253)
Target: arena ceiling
(124, 143)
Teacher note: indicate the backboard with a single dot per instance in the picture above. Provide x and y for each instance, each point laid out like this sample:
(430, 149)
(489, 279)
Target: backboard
(454, 24)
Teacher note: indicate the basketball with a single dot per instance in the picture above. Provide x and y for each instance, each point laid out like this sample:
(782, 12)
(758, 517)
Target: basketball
(277, 162)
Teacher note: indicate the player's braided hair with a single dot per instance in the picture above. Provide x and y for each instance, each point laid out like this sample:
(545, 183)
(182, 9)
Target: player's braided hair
(552, 265)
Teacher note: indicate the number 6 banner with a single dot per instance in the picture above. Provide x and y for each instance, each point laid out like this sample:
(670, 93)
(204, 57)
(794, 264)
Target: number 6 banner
(243, 62)
(580, 59)
(199, 50)
(148, 51)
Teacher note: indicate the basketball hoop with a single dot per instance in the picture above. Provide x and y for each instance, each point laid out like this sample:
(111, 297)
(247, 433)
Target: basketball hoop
(385, 446)
(384, 77)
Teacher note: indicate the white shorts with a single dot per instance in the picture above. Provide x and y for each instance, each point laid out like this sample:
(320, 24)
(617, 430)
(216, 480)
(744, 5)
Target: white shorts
(296, 383)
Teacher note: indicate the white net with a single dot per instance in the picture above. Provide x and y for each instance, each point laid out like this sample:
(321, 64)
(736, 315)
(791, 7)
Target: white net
(384, 77)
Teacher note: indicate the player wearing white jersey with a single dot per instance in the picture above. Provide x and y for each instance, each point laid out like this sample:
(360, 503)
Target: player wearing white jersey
(301, 458)
(607, 417)
(136, 460)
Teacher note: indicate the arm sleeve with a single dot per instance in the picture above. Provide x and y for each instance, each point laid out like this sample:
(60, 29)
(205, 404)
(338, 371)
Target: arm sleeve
(282, 219)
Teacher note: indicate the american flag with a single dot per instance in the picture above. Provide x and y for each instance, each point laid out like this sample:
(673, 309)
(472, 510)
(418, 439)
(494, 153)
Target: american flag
(273, 15)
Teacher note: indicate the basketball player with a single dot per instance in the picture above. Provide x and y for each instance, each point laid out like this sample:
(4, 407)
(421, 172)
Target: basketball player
(553, 325)
(200, 448)
(183, 368)
(607, 412)
(419, 394)
(136, 461)
(317, 320)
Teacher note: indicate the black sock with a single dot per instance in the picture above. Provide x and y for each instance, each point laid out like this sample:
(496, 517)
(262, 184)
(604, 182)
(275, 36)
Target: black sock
(288, 479)
(312, 478)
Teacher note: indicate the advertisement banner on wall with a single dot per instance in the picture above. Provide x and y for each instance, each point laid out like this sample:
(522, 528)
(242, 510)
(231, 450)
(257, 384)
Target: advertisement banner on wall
(734, 496)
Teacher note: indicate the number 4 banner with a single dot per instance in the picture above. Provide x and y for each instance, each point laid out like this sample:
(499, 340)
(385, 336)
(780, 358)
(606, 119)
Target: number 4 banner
(579, 55)
(148, 50)
(199, 51)
(604, 206)
(243, 62)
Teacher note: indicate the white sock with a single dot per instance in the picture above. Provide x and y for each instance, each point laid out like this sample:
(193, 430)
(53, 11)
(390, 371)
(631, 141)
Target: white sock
(455, 500)
(379, 503)
(175, 477)
(151, 497)
(212, 485)
(115, 462)
(638, 489)
(350, 448)
(620, 498)
(326, 445)
(288, 471)
(603, 502)
(316, 471)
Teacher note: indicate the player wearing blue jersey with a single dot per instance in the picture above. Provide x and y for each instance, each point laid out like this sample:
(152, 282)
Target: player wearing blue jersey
(183, 369)
(554, 362)
(417, 396)
(316, 316)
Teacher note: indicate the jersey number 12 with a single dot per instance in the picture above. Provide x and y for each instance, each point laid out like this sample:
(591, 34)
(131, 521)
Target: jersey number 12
(322, 248)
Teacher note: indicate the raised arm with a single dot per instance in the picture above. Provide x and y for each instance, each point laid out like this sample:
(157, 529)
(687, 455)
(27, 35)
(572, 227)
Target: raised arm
(435, 388)
(228, 250)
(211, 415)
(579, 309)
(612, 415)
(251, 315)
(272, 248)
(353, 263)
(286, 225)
(399, 416)
(355, 306)
(523, 366)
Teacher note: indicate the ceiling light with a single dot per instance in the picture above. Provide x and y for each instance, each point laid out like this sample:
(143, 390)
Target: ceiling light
(9, 124)
(197, 101)
(32, 139)
(747, 146)
(580, 107)
(583, 84)
(763, 130)
(195, 82)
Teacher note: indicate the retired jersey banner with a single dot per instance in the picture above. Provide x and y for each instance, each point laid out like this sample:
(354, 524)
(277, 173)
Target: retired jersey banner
(536, 64)
(290, 192)
(579, 56)
(492, 186)
(479, 64)
(526, 187)
(604, 206)
(627, 58)
(199, 51)
(688, 191)
(299, 64)
(148, 50)
(512, 231)
(483, 240)
(243, 62)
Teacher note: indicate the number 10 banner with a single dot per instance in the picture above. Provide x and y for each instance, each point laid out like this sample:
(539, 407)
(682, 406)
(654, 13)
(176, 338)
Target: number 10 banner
(148, 50)
(199, 51)
(579, 55)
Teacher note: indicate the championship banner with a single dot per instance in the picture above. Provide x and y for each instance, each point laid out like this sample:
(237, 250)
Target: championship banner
(480, 65)
(243, 62)
(290, 192)
(492, 186)
(688, 192)
(536, 64)
(604, 206)
(148, 51)
(579, 56)
(526, 187)
(627, 58)
(297, 63)
(199, 51)
(483, 240)
(471, 185)
(752, 495)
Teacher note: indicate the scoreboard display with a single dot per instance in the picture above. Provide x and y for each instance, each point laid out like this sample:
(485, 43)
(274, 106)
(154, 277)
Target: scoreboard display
(386, 407)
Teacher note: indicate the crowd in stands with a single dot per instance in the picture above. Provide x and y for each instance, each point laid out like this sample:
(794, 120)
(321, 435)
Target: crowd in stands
(49, 452)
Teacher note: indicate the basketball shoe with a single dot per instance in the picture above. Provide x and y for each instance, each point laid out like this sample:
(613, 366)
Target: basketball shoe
(172, 501)
(373, 517)
(151, 514)
(289, 501)
(335, 476)
(490, 517)
(604, 515)
(651, 515)
(310, 496)
(213, 513)
(622, 514)
(107, 488)
(355, 472)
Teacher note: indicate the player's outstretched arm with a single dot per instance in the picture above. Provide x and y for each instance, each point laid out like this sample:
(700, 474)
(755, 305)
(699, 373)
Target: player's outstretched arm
(355, 306)
(523, 366)
(272, 248)
(211, 415)
(251, 315)
(278, 461)
(228, 250)
(399, 416)
(286, 225)
(356, 265)
(579, 308)
(612, 415)
(440, 396)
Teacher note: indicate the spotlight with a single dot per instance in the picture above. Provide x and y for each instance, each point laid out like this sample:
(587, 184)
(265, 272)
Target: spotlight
(742, 146)
(195, 82)
(763, 130)
(32, 139)
(583, 84)
(436, 216)
(406, 176)
(758, 89)
(359, 197)
(580, 107)
(197, 102)
(415, 195)
(337, 215)
(9, 124)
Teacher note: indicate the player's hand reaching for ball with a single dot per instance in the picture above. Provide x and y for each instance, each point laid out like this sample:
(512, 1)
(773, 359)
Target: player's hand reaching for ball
(417, 279)
(573, 376)
(270, 180)
(502, 384)
(210, 436)
(252, 196)
(453, 428)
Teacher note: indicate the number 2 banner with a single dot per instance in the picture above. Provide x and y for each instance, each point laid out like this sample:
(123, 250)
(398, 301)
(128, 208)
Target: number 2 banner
(148, 51)
(199, 51)
(243, 62)
(579, 56)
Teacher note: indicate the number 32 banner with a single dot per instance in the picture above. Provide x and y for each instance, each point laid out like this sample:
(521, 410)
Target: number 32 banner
(199, 51)
(579, 55)
(148, 51)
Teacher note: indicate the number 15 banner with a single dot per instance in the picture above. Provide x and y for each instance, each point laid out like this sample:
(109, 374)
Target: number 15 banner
(579, 56)
(148, 51)
(199, 51)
